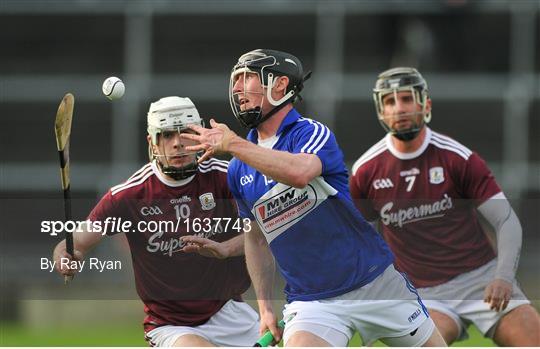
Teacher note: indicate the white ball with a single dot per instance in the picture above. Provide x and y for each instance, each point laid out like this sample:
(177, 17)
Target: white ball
(113, 88)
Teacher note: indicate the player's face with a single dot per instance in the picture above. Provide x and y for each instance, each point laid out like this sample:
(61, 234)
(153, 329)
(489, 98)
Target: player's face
(171, 148)
(248, 91)
(401, 110)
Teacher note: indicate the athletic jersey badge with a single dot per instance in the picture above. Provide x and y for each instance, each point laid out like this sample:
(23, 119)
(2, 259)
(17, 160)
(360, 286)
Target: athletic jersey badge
(247, 179)
(436, 175)
(207, 201)
(382, 183)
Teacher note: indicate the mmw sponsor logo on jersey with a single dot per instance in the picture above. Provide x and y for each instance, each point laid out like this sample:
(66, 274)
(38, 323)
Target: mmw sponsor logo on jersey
(275, 206)
(283, 206)
(287, 204)
(415, 213)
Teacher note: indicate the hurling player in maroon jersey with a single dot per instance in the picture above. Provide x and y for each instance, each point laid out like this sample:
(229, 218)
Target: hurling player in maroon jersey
(190, 276)
(428, 192)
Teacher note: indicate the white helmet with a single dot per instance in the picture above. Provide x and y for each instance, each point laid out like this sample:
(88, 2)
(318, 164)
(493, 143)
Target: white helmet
(172, 114)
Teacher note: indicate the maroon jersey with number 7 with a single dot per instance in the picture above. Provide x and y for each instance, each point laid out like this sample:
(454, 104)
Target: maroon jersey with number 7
(426, 202)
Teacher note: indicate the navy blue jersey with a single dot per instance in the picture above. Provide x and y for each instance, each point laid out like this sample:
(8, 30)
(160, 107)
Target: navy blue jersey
(323, 245)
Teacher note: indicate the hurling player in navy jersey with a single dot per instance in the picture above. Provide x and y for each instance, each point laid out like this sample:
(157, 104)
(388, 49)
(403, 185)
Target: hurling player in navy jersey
(290, 180)
(191, 286)
(428, 191)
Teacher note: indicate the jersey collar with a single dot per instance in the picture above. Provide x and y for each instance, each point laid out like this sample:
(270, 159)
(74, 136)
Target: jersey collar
(291, 117)
(408, 156)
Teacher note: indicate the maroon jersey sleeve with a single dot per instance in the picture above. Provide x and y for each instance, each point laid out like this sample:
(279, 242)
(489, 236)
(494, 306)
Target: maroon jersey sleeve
(358, 186)
(477, 181)
(106, 207)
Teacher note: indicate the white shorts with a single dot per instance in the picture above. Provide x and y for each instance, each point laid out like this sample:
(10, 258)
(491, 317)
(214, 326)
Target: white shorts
(462, 299)
(388, 307)
(236, 324)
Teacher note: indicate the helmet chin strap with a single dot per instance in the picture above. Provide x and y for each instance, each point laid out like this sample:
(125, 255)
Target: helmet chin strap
(249, 118)
(254, 117)
(179, 173)
(407, 135)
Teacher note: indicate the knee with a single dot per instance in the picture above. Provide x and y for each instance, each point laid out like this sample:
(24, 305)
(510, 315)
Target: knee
(306, 339)
(447, 327)
(519, 327)
(191, 340)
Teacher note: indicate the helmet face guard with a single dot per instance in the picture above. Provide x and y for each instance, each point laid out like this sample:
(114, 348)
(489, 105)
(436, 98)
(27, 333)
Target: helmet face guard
(165, 160)
(267, 65)
(167, 118)
(398, 80)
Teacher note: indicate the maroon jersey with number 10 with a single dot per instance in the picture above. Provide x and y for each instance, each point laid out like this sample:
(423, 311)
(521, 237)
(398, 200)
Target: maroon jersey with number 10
(177, 288)
(426, 202)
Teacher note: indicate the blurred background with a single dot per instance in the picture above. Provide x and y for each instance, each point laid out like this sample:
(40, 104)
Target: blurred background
(481, 60)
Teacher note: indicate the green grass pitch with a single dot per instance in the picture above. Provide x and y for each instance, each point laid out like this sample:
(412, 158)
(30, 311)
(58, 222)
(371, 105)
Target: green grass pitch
(114, 335)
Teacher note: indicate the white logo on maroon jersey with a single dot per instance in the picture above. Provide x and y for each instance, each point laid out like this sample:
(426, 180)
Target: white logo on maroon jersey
(415, 213)
(412, 172)
(383, 183)
(436, 175)
(181, 200)
(166, 247)
(156, 242)
(151, 211)
(207, 201)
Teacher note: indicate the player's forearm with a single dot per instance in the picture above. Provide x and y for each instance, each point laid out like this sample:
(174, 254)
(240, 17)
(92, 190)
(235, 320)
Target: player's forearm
(296, 170)
(261, 267)
(83, 241)
(503, 219)
(235, 246)
(509, 239)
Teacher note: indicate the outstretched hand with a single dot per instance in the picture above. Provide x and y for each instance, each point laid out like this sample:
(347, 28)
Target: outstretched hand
(205, 247)
(212, 141)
